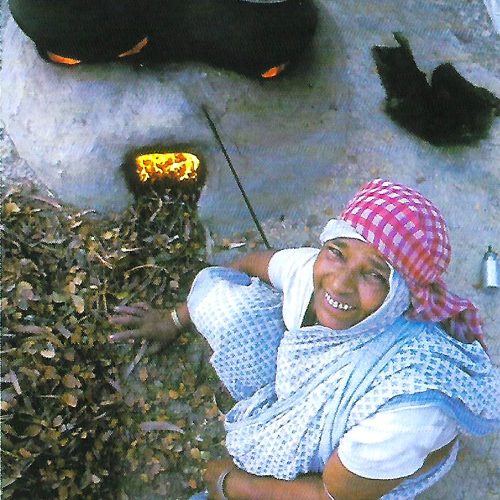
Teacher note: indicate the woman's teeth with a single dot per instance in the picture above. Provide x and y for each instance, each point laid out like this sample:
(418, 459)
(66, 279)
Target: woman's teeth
(336, 304)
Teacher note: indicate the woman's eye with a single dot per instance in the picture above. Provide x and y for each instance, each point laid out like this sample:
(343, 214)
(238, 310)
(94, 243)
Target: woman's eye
(379, 277)
(335, 251)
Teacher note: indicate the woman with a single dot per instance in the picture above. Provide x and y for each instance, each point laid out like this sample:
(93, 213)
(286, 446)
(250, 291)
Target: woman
(347, 384)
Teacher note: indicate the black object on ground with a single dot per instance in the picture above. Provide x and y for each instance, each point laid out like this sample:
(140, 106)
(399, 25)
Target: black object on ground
(450, 110)
(249, 37)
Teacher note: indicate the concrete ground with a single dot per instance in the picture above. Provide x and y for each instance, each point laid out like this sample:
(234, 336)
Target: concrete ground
(303, 145)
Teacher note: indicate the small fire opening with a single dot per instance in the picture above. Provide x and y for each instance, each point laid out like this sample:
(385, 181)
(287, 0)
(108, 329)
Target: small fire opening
(56, 58)
(70, 61)
(274, 71)
(161, 169)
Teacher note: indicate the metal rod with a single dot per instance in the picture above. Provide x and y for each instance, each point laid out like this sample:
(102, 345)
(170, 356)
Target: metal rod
(236, 178)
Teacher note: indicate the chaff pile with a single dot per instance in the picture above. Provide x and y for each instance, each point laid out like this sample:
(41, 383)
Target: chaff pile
(72, 427)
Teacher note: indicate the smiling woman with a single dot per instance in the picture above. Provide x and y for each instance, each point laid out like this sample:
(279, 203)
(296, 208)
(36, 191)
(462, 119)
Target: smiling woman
(347, 384)
(351, 280)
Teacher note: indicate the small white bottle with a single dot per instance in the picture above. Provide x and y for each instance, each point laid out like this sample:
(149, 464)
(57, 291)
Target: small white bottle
(489, 269)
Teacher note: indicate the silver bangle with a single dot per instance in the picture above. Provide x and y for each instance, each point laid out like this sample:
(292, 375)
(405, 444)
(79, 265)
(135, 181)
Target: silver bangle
(175, 319)
(220, 483)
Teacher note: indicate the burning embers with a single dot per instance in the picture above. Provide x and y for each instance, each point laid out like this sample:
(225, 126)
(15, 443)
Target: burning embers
(69, 61)
(180, 167)
(249, 36)
(155, 169)
(274, 71)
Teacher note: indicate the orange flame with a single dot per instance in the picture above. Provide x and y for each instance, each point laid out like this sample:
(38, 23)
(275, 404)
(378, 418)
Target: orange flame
(71, 62)
(61, 59)
(174, 166)
(274, 71)
(136, 48)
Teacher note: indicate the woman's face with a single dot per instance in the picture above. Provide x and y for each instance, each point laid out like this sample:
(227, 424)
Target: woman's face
(351, 280)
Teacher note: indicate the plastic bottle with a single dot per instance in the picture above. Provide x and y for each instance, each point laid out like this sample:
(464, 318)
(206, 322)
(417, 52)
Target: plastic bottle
(489, 269)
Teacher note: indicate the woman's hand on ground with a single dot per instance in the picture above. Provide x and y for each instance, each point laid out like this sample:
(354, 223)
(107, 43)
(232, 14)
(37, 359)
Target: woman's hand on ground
(142, 321)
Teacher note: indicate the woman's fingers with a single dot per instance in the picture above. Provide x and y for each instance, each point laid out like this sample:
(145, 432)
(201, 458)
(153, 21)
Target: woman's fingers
(124, 320)
(141, 305)
(482, 341)
(129, 315)
(124, 335)
(134, 309)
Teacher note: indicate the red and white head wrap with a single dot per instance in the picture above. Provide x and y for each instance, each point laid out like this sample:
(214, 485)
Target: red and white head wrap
(410, 232)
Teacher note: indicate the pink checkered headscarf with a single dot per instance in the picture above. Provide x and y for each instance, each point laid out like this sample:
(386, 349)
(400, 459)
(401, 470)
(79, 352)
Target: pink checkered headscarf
(410, 232)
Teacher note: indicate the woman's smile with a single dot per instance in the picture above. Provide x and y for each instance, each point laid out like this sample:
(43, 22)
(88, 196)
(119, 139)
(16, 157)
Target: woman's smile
(337, 304)
(351, 281)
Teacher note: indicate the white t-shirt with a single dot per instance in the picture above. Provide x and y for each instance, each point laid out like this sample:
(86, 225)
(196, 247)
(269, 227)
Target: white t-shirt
(392, 443)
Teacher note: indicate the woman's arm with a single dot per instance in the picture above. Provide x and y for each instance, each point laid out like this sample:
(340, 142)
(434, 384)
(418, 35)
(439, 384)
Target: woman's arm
(343, 484)
(254, 264)
(339, 482)
(241, 485)
(165, 325)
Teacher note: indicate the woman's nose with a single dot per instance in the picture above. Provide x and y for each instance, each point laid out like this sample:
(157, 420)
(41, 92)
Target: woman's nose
(343, 281)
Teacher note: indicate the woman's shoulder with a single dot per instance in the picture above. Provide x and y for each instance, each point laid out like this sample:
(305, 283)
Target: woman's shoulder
(290, 261)
(302, 253)
(430, 345)
(432, 338)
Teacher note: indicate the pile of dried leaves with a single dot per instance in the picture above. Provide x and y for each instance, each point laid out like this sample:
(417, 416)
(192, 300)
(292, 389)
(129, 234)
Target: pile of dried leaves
(82, 417)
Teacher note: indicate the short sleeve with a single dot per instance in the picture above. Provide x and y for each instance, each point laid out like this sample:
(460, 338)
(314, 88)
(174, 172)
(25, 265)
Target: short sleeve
(395, 443)
(291, 271)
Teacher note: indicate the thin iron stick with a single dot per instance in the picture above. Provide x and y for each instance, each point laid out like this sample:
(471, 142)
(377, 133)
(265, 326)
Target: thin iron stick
(236, 178)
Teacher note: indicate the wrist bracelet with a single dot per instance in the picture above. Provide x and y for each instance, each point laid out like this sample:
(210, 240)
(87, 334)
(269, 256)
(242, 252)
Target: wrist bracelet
(175, 319)
(220, 483)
